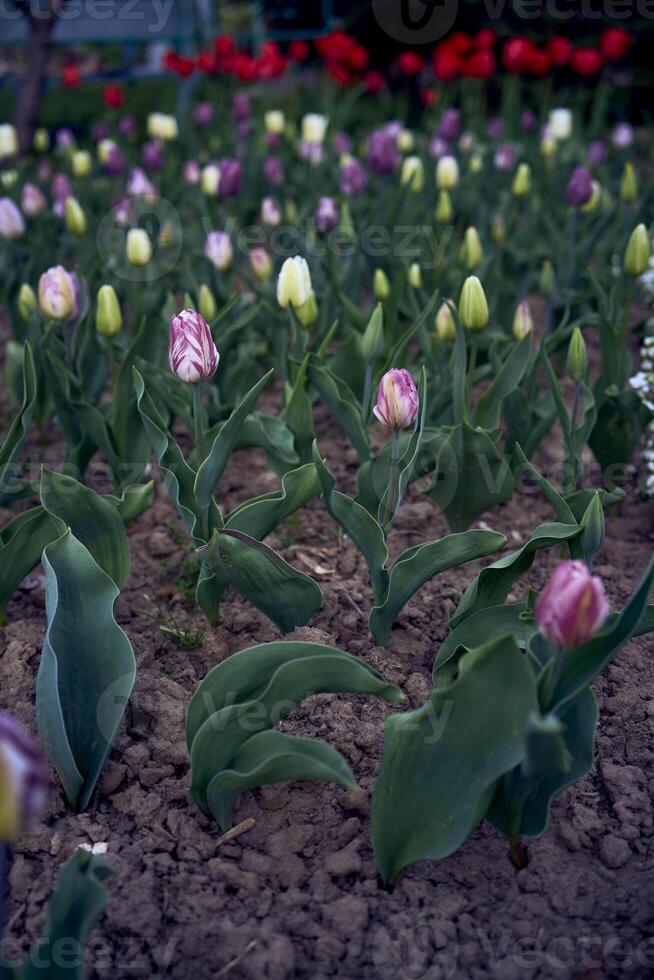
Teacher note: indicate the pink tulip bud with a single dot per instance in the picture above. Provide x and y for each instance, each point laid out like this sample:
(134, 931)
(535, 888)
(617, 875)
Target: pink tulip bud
(572, 606)
(59, 294)
(397, 399)
(192, 354)
(11, 220)
(32, 200)
(23, 780)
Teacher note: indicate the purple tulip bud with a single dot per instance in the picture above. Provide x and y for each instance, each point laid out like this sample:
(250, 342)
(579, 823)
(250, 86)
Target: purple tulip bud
(231, 178)
(192, 354)
(273, 140)
(397, 399)
(241, 108)
(341, 143)
(99, 131)
(313, 152)
(528, 120)
(383, 155)
(438, 147)
(115, 162)
(505, 157)
(64, 139)
(353, 178)
(23, 780)
(622, 136)
(243, 129)
(273, 170)
(203, 114)
(572, 607)
(152, 155)
(326, 216)
(495, 128)
(450, 125)
(127, 126)
(44, 171)
(139, 185)
(60, 187)
(579, 189)
(596, 153)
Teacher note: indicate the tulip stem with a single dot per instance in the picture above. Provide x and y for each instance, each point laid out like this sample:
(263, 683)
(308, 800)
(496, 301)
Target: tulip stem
(367, 390)
(574, 468)
(393, 481)
(198, 420)
(471, 371)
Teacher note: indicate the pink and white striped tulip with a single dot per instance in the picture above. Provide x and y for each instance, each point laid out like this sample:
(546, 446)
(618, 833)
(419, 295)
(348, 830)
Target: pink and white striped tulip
(59, 293)
(192, 354)
(12, 224)
(573, 606)
(397, 400)
(218, 249)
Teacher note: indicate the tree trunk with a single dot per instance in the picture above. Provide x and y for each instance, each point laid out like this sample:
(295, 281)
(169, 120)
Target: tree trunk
(29, 99)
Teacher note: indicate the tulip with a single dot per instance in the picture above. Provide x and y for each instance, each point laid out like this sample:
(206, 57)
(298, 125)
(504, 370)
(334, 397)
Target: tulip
(397, 400)
(353, 177)
(275, 122)
(596, 154)
(210, 180)
(473, 306)
(560, 124)
(445, 326)
(577, 360)
(523, 323)
(498, 229)
(415, 276)
(261, 264)
(294, 283)
(162, 126)
(218, 249)
(41, 141)
(231, 178)
(372, 341)
(405, 141)
(12, 224)
(447, 173)
(152, 155)
(521, 186)
(628, 184)
(81, 163)
(23, 780)
(206, 302)
(105, 148)
(27, 302)
(270, 212)
(637, 254)
(548, 147)
(273, 170)
(59, 294)
(75, 217)
(412, 174)
(622, 136)
(192, 172)
(450, 125)
(326, 216)
(476, 163)
(572, 607)
(382, 152)
(8, 141)
(314, 127)
(32, 200)
(444, 211)
(471, 250)
(308, 312)
(138, 247)
(140, 185)
(203, 114)
(108, 317)
(192, 354)
(381, 287)
(579, 188)
(504, 159)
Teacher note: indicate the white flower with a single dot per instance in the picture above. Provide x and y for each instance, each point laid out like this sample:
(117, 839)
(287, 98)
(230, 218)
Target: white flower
(294, 283)
(314, 127)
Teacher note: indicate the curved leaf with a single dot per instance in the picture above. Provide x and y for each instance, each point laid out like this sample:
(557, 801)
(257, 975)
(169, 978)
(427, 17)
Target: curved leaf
(21, 545)
(491, 623)
(417, 565)
(489, 408)
(272, 757)
(261, 515)
(442, 762)
(342, 404)
(13, 442)
(87, 668)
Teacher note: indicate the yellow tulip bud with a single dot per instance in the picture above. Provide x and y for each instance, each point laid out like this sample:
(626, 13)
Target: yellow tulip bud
(473, 306)
(628, 184)
(41, 141)
(637, 254)
(444, 208)
(577, 357)
(447, 173)
(380, 285)
(471, 251)
(415, 276)
(498, 229)
(138, 247)
(522, 181)
(445, 326)
(81, 163)
(523, 323)
(412, 174)
(294, 283)
(206, 303)
(108, 317)
(75, 217)
(476, 163)
(275, 122)
(405, 141)
(27, 302)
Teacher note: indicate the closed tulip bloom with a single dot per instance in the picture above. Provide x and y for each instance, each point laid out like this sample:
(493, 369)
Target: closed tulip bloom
(622, 136)
(353, 177)
(206, 302)
(81, 163)
(596, 153)
(471, 250)
(75, 217)
(32, 200)
(593, 201)
(192, 354)
(138, 247)
(275, 122)
(271, 213)
(579, 188)
(445, 326)
(139, 184)
(294, 283)
(260, 263)
(473, 306)
(382, 152)
(162, 126)
(523, 323)
(41, 141)
(273, 170)
(560, 123)
(23, 780)
(27, 302)
(314, 127)
(105, 149)
(637, 254)
(415, 276)
(628, 184)
(521, 186)
(8, 141)
(108, 317)
(218, 249)
(447, 173)
(12, 224)
(397, 400)
(231, 177)
(412, 174)
(326, 216)
(444, 211)
(381, 287)
(59, 293)
(573, 606)
(405, 141)
(210, 180)
(192, 172)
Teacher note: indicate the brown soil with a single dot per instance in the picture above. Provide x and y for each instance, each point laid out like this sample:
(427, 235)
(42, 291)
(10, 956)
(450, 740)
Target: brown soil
(298, 895)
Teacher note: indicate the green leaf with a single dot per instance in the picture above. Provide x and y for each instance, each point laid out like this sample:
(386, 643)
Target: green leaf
(74, 910)
(297, 413)
(272, 757)
(561, 507)
(493, 583)
(470, 476)
(13, 442)
(342, 404)
(441, 763)
(358, 524)
(288, 597)
(22, 541)
(134, 501)
(489, 408)
(581, 666)
(253, 690)
(261, 515)
(93, 519)
(87, 668)
(418, 565)
(213, 467)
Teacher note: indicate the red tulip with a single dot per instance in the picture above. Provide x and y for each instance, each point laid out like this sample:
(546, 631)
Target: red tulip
(374, 82)
(560, 51)
(428, 97)
(516, 54)
(224, 45)
(485, 39)
(586, 61)
(299, 51)
(339, 73)
(113, 96)
(460, 42)
(358, 58)
(538, 63)
(169, 61)
(410, 63)
(480, 64)
(207, 62)
(70, 76)
(614, 43)
(185, 67)
(446, 64)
